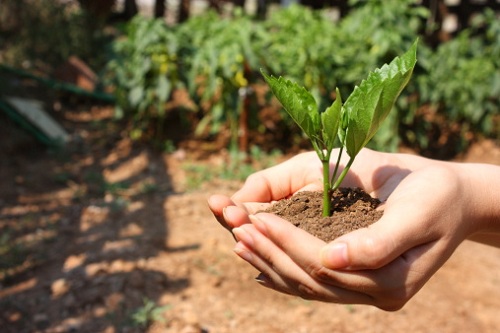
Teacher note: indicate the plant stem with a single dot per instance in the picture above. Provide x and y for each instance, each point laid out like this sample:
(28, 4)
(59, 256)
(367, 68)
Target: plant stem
(337, 165)
(339, 180)
(327, 192)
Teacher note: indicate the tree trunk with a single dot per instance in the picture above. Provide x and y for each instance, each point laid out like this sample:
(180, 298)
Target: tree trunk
(215, 4)
(130, 9)
(261, 9)
(314, 4)
(239, 3)
(184, 10)
(243, 132)
(160, 8)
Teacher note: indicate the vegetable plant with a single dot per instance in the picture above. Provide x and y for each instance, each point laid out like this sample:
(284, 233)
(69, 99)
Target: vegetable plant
(349, 125)
(144, 71)
(216, 52)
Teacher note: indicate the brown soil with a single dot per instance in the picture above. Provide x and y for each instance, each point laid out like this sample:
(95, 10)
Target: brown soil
(352, 209)
(107, 237)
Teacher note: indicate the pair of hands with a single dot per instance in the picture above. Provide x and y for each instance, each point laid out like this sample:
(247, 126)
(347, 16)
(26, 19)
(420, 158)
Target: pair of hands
(428, 211)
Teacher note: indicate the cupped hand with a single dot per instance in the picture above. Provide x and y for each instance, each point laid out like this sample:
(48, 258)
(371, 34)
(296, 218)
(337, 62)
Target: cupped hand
(428, 211)
(262, 188)
(375, 172)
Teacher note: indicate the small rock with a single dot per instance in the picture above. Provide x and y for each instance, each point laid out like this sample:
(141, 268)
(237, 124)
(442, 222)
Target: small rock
(74, 261)
(59, 287)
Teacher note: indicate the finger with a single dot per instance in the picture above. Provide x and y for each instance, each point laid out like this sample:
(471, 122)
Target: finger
(388, 288)
(409, 220)
(287, 275)
(267, 278)
(290, 239)
(217, 203)
(375, 246)
(282, 180)
(245, 251)
(232, 214)
(235, 216)
(254, 207)
(394, 284)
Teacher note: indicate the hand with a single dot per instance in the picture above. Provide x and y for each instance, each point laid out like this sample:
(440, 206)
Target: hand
(262, 188)
(430, 207)
(371, 171)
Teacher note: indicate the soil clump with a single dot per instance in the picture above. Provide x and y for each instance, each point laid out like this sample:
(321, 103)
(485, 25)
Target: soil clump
(352, 208)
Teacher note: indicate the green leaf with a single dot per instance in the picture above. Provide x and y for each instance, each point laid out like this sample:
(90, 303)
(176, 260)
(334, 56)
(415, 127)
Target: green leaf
(330, 121)
(298, 103)
(370, 103)
(136, 95)
(163, 88)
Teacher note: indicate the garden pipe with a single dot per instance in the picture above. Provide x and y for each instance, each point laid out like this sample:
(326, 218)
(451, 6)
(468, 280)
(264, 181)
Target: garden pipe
(57, 85)
(26, 125)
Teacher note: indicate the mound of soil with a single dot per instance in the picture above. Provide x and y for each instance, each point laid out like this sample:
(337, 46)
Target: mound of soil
(352, 208)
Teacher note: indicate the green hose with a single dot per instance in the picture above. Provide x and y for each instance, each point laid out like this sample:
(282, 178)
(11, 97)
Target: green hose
(26, 125)
(57, 85)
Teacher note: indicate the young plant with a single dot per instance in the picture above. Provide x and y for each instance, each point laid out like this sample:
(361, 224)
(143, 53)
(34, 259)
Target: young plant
(349, 125)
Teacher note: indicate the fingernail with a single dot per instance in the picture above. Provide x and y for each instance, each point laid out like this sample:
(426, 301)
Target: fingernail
(242, 252)
(258, 223)
(262, 278)
(243, 236)
(334, 256)
(226, 212)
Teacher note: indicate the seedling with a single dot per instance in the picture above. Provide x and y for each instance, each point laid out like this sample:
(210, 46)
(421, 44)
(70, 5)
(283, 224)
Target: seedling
(350, 125)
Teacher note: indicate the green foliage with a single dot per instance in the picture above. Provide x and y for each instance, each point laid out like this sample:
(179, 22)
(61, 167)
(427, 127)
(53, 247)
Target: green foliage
(300, 44)
(144, 71)
(217, 59)
(370, 103)
(149, 313)
(46, 33)
(216, 52)
(462, 78)
(355, 122)
(298, 102)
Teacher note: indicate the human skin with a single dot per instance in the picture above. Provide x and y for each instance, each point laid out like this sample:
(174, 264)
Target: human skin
(430, 207)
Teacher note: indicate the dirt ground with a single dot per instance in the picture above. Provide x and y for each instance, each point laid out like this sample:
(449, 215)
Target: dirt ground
(106, 237)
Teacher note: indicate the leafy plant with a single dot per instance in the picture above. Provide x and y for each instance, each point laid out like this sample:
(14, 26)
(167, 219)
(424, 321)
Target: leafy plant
(218, 59)
(144, 72)
(462, 79)
(217, 52)
(149, 313)
(352, 123)
(57, 30)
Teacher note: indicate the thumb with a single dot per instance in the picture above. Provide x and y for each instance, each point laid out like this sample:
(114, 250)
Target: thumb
(377, 245)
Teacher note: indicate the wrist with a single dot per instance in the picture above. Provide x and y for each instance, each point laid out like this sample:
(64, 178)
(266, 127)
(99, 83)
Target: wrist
(482, 197)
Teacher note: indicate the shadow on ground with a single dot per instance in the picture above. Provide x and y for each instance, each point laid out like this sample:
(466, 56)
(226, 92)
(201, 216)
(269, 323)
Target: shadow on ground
(73, 232)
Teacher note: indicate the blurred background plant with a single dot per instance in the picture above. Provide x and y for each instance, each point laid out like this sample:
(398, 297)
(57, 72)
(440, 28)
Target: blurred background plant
(40, 35)
(458, 90)
(143, 72)
(218, 54)
(215, 59)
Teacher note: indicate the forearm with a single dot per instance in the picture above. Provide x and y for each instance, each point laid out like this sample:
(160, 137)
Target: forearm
(482, 185)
